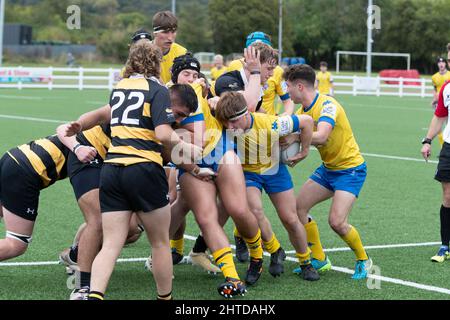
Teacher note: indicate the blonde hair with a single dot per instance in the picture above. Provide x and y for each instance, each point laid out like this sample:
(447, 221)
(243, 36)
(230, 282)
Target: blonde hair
(144, 58)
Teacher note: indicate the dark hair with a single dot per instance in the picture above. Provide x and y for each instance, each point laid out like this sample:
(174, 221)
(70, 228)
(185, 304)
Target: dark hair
(183, 62)
(164, 21)
(323, 64)
(302, 72)
(185, 95)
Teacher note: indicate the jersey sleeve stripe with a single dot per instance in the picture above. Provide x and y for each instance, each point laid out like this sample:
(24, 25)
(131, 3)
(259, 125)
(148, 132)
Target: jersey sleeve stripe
(327, 119)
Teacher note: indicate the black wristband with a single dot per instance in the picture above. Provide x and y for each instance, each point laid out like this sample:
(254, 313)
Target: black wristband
(255, 72)
(74, 150)
(426, 141)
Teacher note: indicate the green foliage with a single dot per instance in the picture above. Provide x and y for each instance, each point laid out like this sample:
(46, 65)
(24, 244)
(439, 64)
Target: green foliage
(312, 29)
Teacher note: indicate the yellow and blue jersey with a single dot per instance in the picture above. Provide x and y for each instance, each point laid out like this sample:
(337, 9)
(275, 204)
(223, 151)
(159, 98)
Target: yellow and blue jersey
(341, 150)
(275, 86)
(439, 80)
(324, 80)
(258, 146)
(167, 61)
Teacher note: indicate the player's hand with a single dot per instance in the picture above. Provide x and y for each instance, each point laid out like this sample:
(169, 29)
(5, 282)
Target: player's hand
(434, 104)
(204, 174)
(86, 153)
(292, 162)
(286, 141)
(251, 56)
(73, 128)
(213, 103)
(426, 151)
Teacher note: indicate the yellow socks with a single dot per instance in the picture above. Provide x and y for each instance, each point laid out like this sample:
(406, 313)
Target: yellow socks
(313, 237)
(304, 258)
(178, 244)
(354, 242)
(254, 246)
(224, 259)
(272, 245)
(236, 232)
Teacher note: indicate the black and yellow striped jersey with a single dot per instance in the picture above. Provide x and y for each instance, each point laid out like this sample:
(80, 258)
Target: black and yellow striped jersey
(98, 137)
(138, 106)
(45, 157)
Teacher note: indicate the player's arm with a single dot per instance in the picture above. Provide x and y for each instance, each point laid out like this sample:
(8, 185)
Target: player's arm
(325, 124)
(320, 137)
(252, 92)
(83, 153)
(306, 127)
(302, 124)
(289, 106)
(89, 120)
(439, 118)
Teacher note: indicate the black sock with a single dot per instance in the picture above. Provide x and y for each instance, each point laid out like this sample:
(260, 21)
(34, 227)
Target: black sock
(95, 295)
(85, 279)
(165, 296)
(200, 245)
(445, 225)
(73, 254)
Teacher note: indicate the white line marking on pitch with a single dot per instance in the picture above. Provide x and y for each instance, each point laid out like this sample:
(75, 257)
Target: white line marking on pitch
(388, 246)
(31, 119)
(335, 268)
(390, 280)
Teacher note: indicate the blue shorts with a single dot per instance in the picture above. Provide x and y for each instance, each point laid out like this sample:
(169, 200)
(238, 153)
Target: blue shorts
(273, 183)
(350, 180)
(212, 160)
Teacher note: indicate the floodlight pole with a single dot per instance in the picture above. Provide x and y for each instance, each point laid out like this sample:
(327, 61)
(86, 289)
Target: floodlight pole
(2, 18)
(280, 31)
(369, 39)
(174, 6)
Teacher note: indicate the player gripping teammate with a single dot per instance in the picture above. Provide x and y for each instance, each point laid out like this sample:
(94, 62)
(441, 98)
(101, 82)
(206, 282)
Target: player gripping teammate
(132, 178)
(257, 135)
(340, 177)
(275, 85)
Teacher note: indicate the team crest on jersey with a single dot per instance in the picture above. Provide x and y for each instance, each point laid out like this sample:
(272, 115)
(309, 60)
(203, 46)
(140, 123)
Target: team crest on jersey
(265, 86)
(329, 109)
(284, 86)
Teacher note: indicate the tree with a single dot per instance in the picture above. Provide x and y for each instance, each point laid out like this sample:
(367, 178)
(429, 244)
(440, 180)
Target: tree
(194, 27)
(233, 20)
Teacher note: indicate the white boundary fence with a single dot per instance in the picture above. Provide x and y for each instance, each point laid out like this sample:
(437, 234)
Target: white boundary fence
(83, 78)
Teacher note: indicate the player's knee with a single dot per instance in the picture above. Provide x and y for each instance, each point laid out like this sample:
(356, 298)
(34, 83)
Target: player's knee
(290, 222)
(239, 212)
(338, 225)
(16, 247)
(258, 212)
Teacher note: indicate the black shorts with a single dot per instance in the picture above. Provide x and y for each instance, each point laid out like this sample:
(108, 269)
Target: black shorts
(443, 168)
(84, 177)
(19, 191)
(138, 187)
